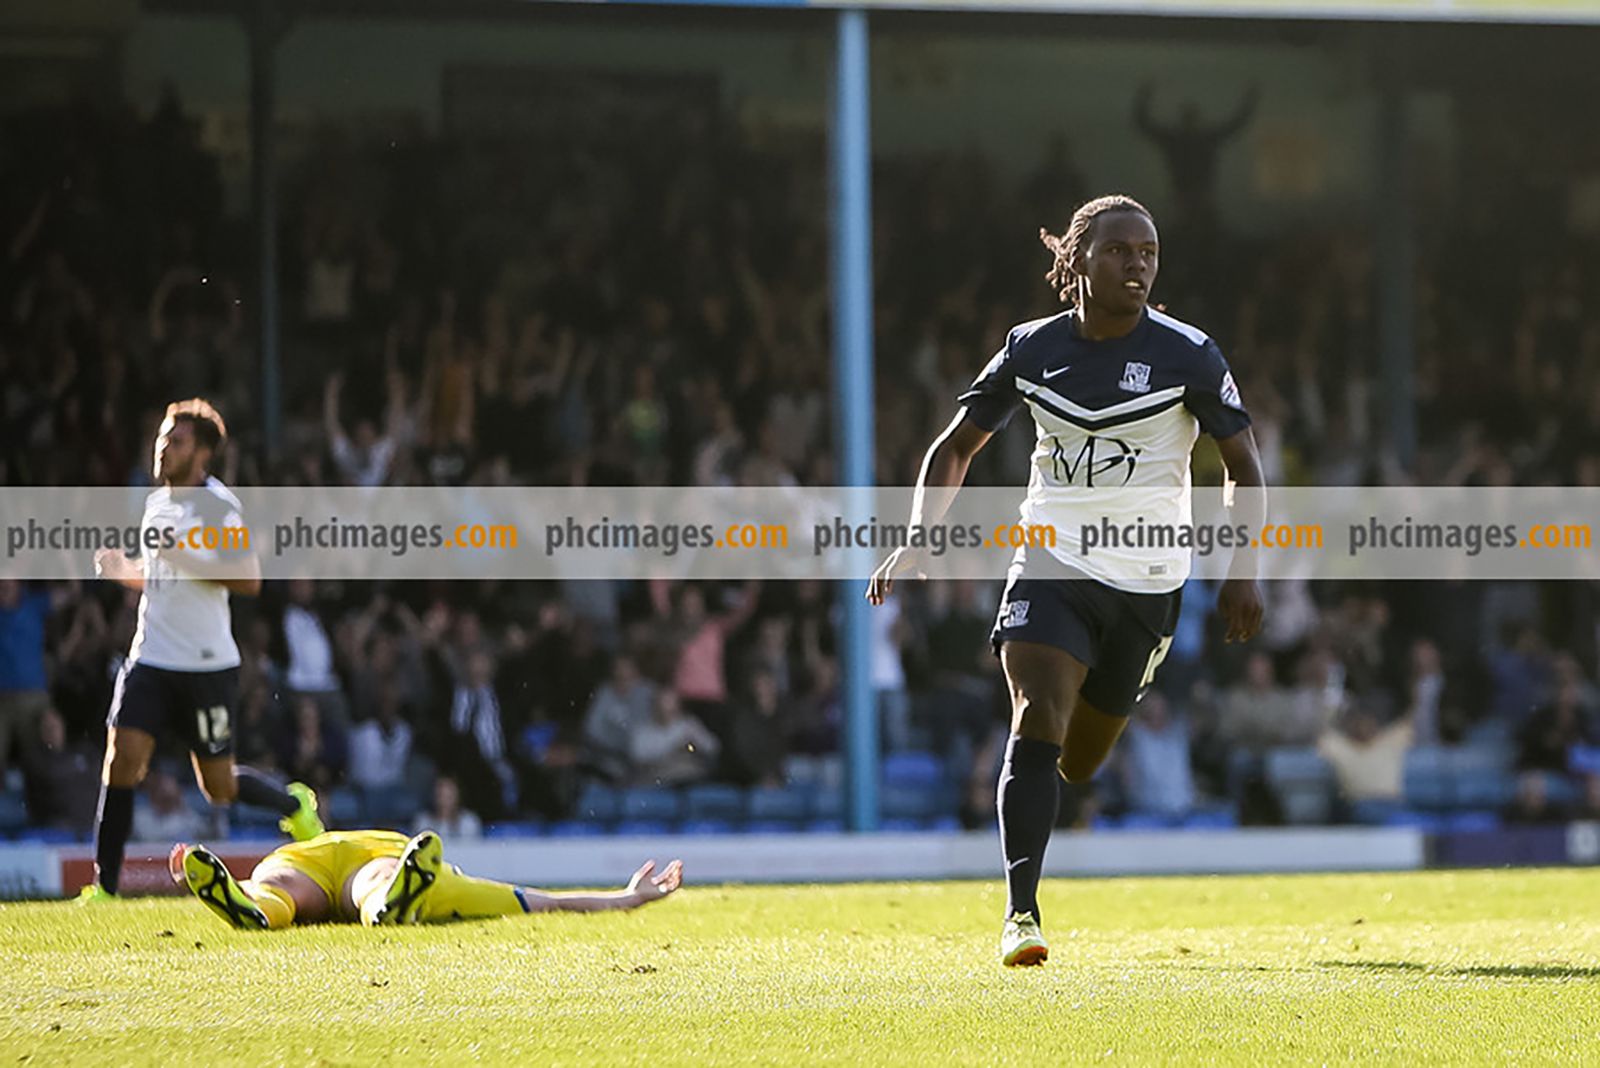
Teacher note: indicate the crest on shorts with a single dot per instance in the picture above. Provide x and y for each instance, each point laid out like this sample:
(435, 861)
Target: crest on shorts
(1136, 377)
(1015, 614)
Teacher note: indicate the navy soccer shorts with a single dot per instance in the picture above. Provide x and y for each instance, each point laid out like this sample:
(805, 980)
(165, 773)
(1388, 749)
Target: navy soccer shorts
(197, 706)
(1122, 637)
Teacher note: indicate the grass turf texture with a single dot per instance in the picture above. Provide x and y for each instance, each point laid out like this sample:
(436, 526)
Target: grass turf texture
(1483, 967)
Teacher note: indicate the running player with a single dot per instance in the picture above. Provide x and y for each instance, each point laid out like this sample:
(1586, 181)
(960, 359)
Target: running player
(182, 671)
(380, 878)
(1119, 393)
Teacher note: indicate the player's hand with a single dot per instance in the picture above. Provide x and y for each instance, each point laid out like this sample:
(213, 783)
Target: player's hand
(902, 561)
(645, 886)
(112, 564)
(1241, 606)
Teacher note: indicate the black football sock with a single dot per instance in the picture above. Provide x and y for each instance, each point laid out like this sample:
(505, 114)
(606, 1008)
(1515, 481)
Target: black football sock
(264, 792)
(1030, 792)
(112, 825)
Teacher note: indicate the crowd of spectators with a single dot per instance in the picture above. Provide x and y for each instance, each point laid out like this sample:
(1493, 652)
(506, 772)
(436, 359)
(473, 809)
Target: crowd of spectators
(647, 305)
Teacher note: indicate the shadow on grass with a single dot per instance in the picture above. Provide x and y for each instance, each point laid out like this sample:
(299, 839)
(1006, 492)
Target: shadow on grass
(1489, 971)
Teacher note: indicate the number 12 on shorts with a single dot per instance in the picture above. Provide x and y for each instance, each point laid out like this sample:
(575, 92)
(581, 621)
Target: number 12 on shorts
(212, 724)
(1157, 655)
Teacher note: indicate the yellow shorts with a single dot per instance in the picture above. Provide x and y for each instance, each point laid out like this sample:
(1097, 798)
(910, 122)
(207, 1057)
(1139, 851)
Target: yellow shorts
(330, 859)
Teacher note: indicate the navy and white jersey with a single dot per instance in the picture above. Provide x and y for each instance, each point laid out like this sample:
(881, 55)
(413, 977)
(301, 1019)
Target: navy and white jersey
(184, 623)
(1116, 421)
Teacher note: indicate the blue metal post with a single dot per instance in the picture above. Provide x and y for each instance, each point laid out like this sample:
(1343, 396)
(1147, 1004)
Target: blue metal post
(1395, 277)
(264, 27)
(852, 376)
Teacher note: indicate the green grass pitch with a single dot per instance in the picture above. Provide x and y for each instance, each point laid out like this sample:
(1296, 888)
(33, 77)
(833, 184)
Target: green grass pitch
(1474, 967)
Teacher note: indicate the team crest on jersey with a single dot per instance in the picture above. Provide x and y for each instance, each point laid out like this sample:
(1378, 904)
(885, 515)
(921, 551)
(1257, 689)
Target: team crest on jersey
(1136, 377)
(1230, 392)
(1014, 614)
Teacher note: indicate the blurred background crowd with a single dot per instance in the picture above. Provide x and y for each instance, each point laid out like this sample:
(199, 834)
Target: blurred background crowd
(647, 303)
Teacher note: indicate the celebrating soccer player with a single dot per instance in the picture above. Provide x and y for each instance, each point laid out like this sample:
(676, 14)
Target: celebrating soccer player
(182, 671)
(1119, 393)
(381, 878)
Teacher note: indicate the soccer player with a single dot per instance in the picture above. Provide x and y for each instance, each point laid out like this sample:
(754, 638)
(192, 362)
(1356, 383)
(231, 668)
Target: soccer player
(380, 878)
(182, 671)
(1119, 393)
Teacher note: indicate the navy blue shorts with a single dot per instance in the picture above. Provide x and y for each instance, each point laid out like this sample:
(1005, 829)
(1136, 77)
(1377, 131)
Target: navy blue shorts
(197, 706)
(1122, 637)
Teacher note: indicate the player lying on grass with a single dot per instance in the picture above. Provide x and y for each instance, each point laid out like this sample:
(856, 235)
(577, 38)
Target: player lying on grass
(382, 878)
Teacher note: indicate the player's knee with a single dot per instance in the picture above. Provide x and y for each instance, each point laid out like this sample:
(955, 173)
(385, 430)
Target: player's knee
(124, 769)
(220, 792)
(1045, 719)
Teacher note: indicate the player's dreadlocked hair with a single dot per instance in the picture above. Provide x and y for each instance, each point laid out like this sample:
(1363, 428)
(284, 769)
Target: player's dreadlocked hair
(1066, 247)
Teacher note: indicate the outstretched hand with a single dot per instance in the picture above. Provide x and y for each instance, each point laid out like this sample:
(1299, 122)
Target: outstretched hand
(646, 887)
(901, 561)
(1240, 605)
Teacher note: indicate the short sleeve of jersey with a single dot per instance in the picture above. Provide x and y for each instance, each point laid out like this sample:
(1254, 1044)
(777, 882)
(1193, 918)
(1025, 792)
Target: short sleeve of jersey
(221, 514)
(993, 395)
(1213, 397)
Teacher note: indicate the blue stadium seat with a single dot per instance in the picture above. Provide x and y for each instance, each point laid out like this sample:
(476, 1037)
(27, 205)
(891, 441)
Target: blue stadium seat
(713, 802)
(1391, 815)
(390, 806)
(707, 827)
(1584, 760)
(802, 769)
(196, 800)
(254, 832)
(902, 825)
(1303, 784)
(779, 803)
(943, 823)
(252, 818)
(644, 828)
(825, 826)
(1147, 821)
(830, 772)
(905, 803)
(1495, 732)
(772, 827)
(826, 804)
(1473, 776)
(651, 803)
(912, 771)
(49, 836)
(514, 829)
(1211, 819)
(342, 807)
(1562, 790)
(597, 803)
(576, 829)
(1469, 822)
(1486, 789)
(13, 812)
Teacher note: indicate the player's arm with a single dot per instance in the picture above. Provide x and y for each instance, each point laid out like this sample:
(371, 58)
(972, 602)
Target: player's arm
(238, 572)
(944, 469)
(645, 886)
(1239, 601)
